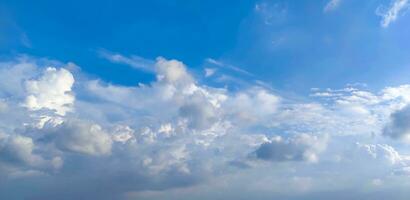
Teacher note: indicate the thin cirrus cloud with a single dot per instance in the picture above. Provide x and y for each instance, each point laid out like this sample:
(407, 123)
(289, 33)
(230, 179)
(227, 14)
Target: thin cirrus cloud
(229, 67)
(176, 135)
(332, 5)
(133, 61)
(391, 13)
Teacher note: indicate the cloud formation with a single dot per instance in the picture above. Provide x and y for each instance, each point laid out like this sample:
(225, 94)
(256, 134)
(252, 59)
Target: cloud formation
(391, 13)
(82, 137)
(59, 131)
(134, 61)
(51, 91)
(331, 5)
(399, 127)
(299, 148)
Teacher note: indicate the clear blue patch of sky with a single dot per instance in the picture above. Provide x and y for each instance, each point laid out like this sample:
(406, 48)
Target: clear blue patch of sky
(294, 45)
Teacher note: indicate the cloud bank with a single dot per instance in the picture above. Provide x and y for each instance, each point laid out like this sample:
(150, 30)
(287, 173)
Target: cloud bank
(65, 136)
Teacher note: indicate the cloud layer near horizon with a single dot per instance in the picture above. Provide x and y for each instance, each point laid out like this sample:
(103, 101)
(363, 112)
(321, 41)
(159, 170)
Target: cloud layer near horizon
(68, 136)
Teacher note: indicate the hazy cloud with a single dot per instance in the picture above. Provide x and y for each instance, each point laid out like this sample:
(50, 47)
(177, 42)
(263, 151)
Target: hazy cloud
(332, 5)
(391, 13)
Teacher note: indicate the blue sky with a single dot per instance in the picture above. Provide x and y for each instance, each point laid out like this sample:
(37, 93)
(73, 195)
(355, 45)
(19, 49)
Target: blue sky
(204, 99)
(290, 45)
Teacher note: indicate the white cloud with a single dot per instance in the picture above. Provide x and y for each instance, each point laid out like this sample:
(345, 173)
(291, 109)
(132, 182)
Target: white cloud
(3, 106)
(82, 137)
(173, 159)
(177, 132)
(271, 13)
(123, 134)
(51, 91)
(302, 147)
(19, 149)
(209, 72)
(199, 112)
(133, 61)
(391, 13)
(12, 73)
(228, 66)
(17, 153)
(252, 106)
(172, 71)
(332, 5)
(377, 182)
(382, 153)
(399, 127)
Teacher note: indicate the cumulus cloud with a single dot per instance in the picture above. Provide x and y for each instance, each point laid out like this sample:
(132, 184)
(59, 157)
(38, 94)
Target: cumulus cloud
(391, 13)
(172, 71)
(176, 132)
(82, 137)
(399, 127)
(12, 73)
(253, 105)
(19, 149)
(51, 91)
(301, 147)
(18, 156)
(200, 113)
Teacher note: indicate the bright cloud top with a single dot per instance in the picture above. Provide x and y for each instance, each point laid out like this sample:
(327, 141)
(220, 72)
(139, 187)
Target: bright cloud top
(51, 91)
(175, 132)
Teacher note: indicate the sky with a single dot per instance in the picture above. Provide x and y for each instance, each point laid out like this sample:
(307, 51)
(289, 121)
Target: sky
(254, 99)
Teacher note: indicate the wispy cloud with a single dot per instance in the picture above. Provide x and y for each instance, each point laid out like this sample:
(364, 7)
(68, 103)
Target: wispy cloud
(25, 41)
(391, 13)
(228, 66)
(134, 61)
(271, 13)
(331, 5)
(209, 72)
